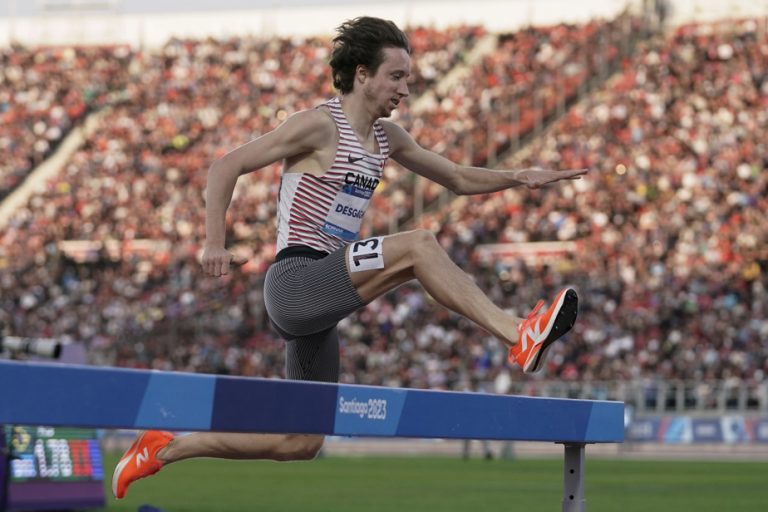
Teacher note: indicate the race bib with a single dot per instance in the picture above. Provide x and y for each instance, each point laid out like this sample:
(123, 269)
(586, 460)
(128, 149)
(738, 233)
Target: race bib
(349, 205)
(366, 254)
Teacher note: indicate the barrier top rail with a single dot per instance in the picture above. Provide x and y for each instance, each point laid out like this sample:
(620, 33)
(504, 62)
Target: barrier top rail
(86, 396)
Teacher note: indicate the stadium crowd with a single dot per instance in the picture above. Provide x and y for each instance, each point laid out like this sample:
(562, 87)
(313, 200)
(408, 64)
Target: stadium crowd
(44, 93)
(509, 92)
(669, 258)
(672, 247)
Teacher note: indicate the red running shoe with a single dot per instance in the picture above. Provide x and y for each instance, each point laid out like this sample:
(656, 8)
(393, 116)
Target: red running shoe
(140, 460)
(538, 331)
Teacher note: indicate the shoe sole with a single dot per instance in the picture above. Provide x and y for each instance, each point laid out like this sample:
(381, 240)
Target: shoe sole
(564, 321)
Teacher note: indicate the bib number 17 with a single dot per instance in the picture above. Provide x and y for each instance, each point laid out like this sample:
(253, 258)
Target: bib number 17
(366, 254)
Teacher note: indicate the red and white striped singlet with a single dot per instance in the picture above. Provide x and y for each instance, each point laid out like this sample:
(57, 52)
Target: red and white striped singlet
(325, 212)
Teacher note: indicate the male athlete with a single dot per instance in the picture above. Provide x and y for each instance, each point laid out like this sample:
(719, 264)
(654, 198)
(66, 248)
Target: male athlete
(334, 156)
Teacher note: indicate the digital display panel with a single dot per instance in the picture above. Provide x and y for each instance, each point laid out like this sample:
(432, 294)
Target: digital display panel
(53, 468)
(56, 454)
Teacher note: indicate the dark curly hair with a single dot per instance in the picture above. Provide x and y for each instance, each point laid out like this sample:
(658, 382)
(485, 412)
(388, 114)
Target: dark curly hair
(360, 42)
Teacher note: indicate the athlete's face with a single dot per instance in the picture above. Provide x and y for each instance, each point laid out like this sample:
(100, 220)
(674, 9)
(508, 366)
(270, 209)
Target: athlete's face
(387, 87)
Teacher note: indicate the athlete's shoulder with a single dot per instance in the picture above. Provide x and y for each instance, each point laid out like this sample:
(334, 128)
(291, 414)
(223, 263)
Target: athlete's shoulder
(397, 136)
(390, 125)
(311, 119)
(312, 127)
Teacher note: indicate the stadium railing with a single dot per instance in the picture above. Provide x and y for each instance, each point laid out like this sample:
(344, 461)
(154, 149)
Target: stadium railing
(660, 396)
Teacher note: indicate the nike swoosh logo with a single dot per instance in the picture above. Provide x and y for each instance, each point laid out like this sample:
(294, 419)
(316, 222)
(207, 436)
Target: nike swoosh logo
(352, 159)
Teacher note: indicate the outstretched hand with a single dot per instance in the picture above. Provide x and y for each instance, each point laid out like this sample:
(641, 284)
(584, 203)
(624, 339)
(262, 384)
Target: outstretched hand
(536, 177)
(217, 261)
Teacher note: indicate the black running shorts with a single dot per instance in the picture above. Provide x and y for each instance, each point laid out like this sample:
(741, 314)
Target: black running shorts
(306, 294)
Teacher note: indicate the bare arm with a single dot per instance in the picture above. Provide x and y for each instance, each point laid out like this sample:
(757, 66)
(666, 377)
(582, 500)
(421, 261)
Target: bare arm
(301, 133)
(462, 179)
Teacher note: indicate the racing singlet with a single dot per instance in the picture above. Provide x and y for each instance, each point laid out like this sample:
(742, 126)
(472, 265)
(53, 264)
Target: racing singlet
(325, 212)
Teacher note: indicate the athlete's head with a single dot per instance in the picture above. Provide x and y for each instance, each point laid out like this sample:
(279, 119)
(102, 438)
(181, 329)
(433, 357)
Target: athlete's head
(363, 44)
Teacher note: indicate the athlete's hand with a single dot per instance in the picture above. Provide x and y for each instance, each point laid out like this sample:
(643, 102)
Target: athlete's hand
(536, 177)
(217, 261)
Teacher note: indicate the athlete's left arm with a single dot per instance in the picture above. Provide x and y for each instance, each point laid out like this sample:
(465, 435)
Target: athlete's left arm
(464, 180)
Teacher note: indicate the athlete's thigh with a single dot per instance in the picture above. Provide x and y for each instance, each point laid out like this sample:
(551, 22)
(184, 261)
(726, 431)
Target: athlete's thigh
(304, 297)
(314, 357)
(377, 265)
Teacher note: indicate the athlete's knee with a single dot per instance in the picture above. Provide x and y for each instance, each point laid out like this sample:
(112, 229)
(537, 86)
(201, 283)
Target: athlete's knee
(300, 447)
(423, 244)
(307, 447)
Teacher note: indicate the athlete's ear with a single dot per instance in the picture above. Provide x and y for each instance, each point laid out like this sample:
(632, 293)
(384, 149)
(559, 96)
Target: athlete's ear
(361, 73)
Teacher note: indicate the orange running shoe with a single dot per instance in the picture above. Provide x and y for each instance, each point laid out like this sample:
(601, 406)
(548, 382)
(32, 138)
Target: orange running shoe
(140, 460)
(538, 331)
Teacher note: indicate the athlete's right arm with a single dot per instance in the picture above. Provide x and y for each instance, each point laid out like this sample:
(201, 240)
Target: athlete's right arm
(302, 132)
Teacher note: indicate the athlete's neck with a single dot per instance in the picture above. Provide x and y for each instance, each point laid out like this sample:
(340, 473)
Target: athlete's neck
(360, 115)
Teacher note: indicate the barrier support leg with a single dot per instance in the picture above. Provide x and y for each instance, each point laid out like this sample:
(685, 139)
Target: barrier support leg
(573, 478)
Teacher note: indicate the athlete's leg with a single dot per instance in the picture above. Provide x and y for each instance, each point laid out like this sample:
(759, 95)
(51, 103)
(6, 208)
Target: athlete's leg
(312, 358)
(280, 447)
(154, 449)
(418, 255)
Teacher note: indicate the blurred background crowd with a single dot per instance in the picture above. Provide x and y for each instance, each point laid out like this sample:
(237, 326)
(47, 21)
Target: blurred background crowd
(666, 240)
